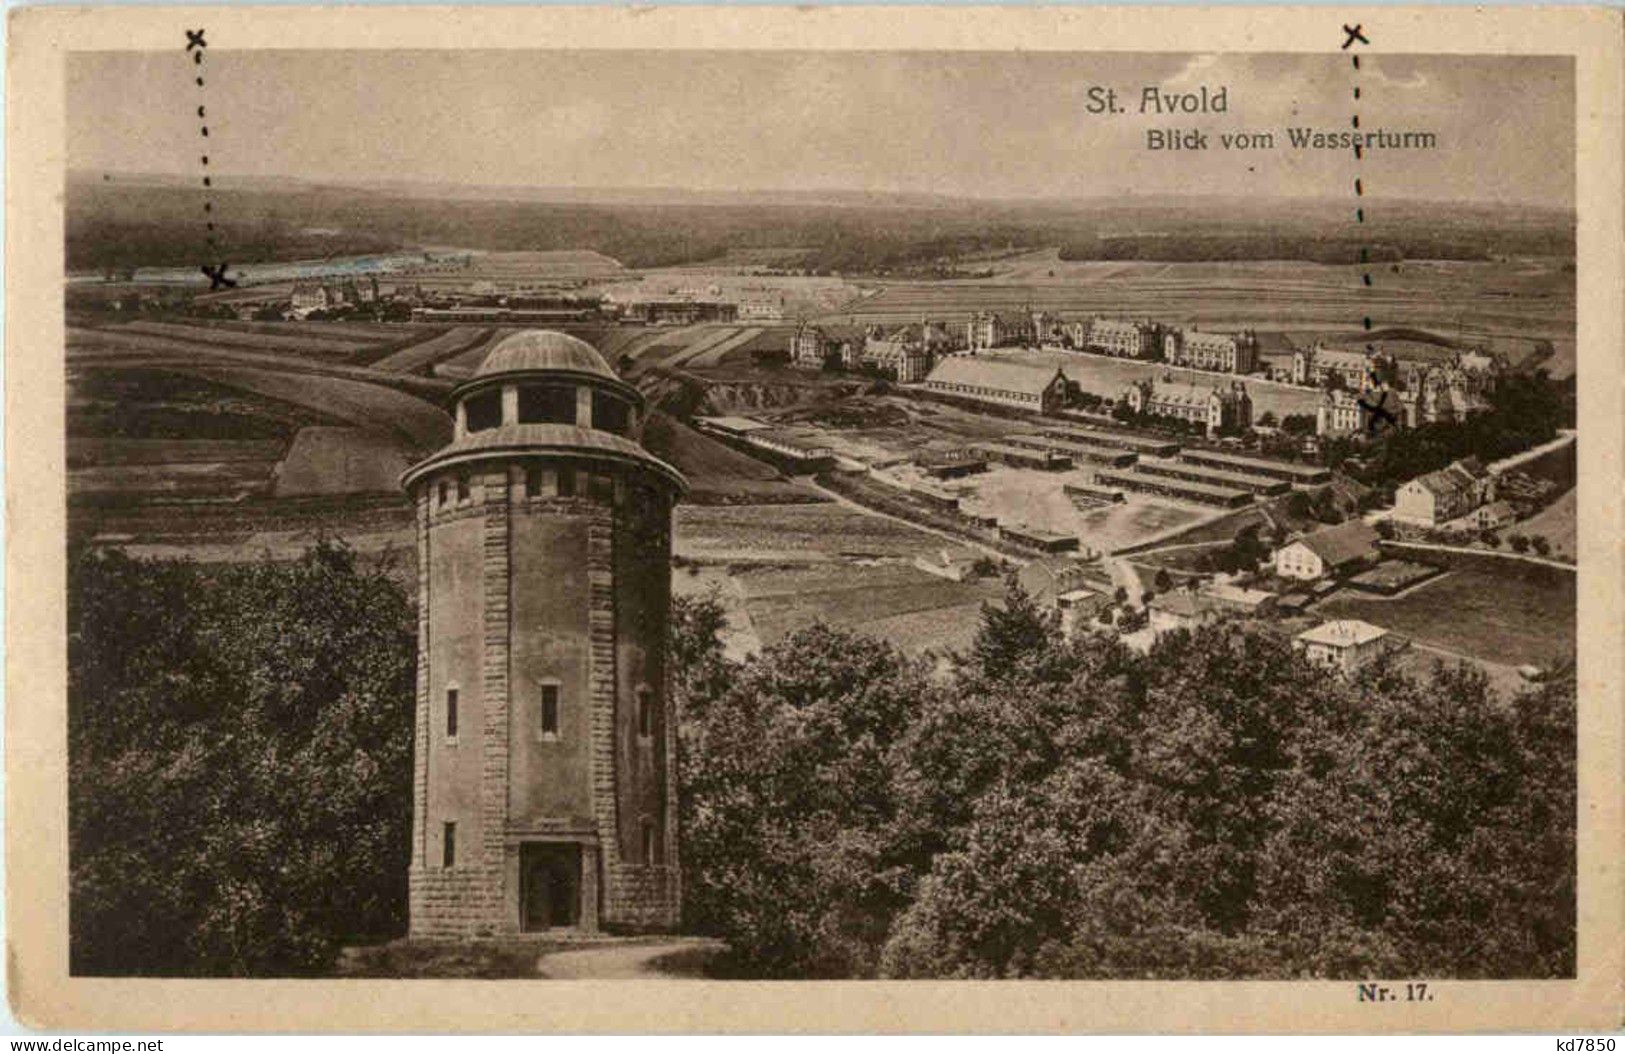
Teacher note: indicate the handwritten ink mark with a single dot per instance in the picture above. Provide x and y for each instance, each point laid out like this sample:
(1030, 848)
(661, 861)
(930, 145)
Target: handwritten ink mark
(217, 277)
(1353, 35)
(194, 39)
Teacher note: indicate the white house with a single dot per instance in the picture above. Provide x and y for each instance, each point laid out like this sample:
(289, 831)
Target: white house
(1331, 551)
(1344, 645)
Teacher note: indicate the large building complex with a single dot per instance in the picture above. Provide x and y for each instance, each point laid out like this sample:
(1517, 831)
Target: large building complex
(1218, 408)
(544, 786)
(1449, 493)
(995, 382)
(1220, 352)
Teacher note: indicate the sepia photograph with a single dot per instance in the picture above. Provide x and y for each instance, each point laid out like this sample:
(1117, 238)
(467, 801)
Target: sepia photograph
(671, 513)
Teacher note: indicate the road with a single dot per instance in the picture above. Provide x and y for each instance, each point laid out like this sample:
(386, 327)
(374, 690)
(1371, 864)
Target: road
(626, 961)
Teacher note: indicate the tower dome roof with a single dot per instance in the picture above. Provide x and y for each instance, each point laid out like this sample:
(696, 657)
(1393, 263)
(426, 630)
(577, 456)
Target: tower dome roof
(543, 349)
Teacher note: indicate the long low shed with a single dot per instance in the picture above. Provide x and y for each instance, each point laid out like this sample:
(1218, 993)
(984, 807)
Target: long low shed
(1188, 490)
(1119, 440)
(1024, 457)
(1301, 475)
(1091, 452)
(1218, 476)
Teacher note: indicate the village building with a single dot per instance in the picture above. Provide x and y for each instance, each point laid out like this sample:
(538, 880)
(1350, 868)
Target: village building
(1322, 366)
(988, 329)
(1344, 645)
(1331, 551)
(907, 353)
(308, 297)
(1063, 585)
(1181, 609)
(954, 564)
(1236, 598)
(1120, 338)
(1219, 352)
(1442, 393)
(995, 382)
(764, 308)
(1219, 408)
(1495, 515)
(1449, 493)
(544, 770)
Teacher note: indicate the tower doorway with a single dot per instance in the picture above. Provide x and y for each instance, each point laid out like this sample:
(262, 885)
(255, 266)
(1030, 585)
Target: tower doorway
(549, 885)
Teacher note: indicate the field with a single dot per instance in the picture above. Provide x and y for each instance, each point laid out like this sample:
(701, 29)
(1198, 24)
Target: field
(894, 601)
(1557, 522)
(793, 534)
(426, 354)
(1511, 615)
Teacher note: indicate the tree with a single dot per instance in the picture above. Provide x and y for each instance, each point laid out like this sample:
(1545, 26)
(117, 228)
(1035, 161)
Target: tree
(1267, 419)
(1520, 544)
(1542, 546)
(1490, 538)
(239, 743)
(1163, 581)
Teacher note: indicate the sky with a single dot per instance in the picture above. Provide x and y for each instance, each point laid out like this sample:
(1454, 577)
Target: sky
(970, 124)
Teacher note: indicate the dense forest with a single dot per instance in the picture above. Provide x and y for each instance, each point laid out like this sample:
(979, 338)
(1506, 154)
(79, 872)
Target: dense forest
(123, 225)
(240, 755)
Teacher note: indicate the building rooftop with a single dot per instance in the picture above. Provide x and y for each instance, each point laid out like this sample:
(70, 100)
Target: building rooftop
(996, 374)
(1343, 633)
(543, 349)
(1338, 545)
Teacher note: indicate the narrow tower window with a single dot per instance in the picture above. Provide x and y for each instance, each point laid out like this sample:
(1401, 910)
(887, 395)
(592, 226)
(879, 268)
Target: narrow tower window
(549, 717)
(646, 713)
(567, 482)
(483, 411)
(651, 846)
(451, 713)
(462, 488)
(448, 845)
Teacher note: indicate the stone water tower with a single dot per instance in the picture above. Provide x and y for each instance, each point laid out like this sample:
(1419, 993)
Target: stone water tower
(544, 791)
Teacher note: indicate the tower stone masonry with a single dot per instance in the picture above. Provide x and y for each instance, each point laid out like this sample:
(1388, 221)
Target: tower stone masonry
(544, 789)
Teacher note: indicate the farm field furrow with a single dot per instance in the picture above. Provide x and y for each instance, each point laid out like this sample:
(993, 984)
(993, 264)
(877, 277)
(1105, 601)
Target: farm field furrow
(811, 532)
(367, 332)
(88, 452)
(703, 341)
(92, 348)
(714, 355)
(370, 406)
(427, 354)
(251, 341)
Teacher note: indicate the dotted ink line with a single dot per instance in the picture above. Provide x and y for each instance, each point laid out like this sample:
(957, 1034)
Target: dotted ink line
(196, 46)
(1374, 400)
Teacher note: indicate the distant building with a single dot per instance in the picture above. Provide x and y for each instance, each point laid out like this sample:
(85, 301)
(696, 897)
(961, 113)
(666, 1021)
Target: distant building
(1047, 328)
(956, 564)
(1317, 366)
(1330, 551)
(808, 347)
(1495, 515)
(1218, 407)
(1447, 494)
(1344, 645)
(1014, 385)
(1181, 609)
(308, 297)
(1236, 598)
(1443, 393)
(907, 353)
(989, 330)
(1058, 583)
(768, 308)
(1221, 352)
(1123, 339)
(1339, 413)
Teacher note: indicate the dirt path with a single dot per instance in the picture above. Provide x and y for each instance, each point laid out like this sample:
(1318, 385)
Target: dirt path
(678, 958)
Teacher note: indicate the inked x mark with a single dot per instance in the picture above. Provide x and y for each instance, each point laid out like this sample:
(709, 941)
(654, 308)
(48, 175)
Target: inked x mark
(217, 277)
(194, 38)
(1353, 35)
